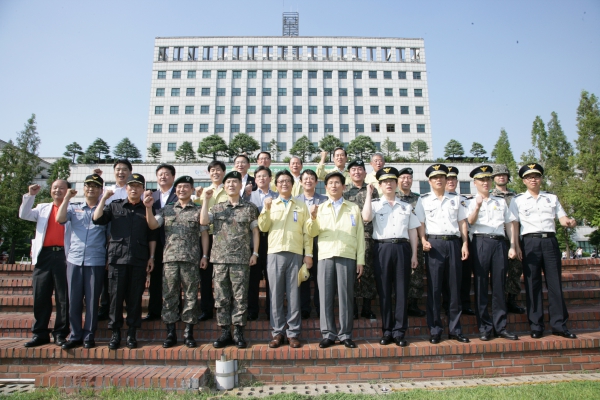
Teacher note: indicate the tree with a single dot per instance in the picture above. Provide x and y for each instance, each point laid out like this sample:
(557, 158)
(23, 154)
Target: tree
(94, 152)
(154, 153)
(185, 153)
(330, 143)
(389, 149)
(453, 149)
(477, 150)
(418, 150)
(243, 143)
(19, 165)
(213, 146)
(73, 150)
(60, 169)
(362, 147)
(539, 138)
(303, 148)
(126, 149)
(274, 149)
(503, 154)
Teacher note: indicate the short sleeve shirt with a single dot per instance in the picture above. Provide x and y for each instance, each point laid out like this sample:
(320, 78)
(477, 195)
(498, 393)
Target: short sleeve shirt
(537, 215)
(493, 214)
(441, 216)
(392, 222)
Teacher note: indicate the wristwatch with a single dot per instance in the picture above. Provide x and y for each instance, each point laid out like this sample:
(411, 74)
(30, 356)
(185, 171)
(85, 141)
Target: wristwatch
(255, 254)
(204, 256)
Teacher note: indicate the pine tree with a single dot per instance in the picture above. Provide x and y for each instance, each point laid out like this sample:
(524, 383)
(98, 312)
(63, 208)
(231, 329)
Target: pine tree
(94, 152)
(213, 146)
(503, 154)
(477, 150)
(154, 153)
(362, 147)
(303, 148)
(329, 143)
(418, 150)
(389, 150)
(126, 149)
(60, 169)
(454, 149)
(243, 143)
(73, 150)
(539, 138)
(185, 153)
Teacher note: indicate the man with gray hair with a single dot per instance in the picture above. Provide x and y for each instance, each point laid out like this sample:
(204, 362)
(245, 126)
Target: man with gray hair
(377, 162)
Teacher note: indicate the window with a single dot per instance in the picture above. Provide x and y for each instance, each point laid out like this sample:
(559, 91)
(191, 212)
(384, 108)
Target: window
(372, 91)
(203, 127)
(328, 127)
(266, 91)
(424, 187)
(219, 128)
(372, 74)
(266, 127)
(174, 110)
(163, 53)
(417, 75)
(158, 109)
(343, 109)
(160, 92)
(267, 75)
(189, 109)
(177, 53)
(250, 128)
(403, 92)
(297, 74)
(251, 91)
(157, 128)
(327, 74)
(312, 109)
(282, 74)
(358, 109)
(173, 128)
(328, 109)
(282, 146)
(297, 109)
(282, 110)
(251, 110)
(342, 74)
(188, 127)
(465, 187)
(297, 91)
(403, 109)
(374, 127)
(220, 109)
(171, 146)
(205, 91)
(235, 128)
(157, 145)
(221, 74)
(191, 74)
(360, 128)
(389, 109)
(357, 74)
(374, 109)
(312, 91)
(312, 74)
(162, 75)
(327, 92)
(204, 109)
(190, 91)
(236, 91)
(176, 74)
(419, 110)
(344, 128)
(401, 74)
(174, 92)
(206, 74)
(220, 91)
(313, 127)
(343, 92)
(390, 128)
(387, 74)
(406, 146)
(418, 92)
(358, 92)
(282, 91)
(251, 74)
(389, 91)
(236, 74)
(266, 109)
(297, 127)
(421, 128)
(235, 109)
(405, 128)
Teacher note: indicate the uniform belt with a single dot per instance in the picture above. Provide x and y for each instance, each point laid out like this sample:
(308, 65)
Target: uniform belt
(264, 234)
(54, 248)
(541, 235)
(485, 235)
(399, 240)
(443, 237)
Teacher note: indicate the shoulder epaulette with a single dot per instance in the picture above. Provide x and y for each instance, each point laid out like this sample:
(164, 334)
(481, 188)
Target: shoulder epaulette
(517, 195)
(546, 192)
(425, 195)
(118, 201)
(377, 199)
(416, 194)
(452, 193)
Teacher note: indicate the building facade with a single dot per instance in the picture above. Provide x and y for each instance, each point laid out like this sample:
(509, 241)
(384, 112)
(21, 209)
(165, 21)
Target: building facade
(278, 89)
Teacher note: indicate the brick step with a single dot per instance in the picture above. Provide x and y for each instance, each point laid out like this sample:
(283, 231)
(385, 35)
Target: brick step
(72, 378)
(369, 361)
(18, 325)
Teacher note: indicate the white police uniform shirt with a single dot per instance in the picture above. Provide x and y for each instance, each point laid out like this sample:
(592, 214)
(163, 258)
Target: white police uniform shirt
(536, 215)
(392, 222)
(441, 216)
(493, 214)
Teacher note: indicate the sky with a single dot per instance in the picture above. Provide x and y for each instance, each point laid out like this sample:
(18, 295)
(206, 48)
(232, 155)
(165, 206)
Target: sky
(84, 68)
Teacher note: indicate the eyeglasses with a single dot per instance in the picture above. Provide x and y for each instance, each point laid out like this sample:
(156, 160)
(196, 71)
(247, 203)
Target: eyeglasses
(284, 182)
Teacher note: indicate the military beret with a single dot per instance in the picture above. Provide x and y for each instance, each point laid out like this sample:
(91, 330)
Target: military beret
(405, 171)
(184, 179)
(387, 173)
(356, 163)
(533, 168)
(335, 173)
(436, 169)
(233, 174)
(94, 178)
(452, 171)
(137, 178)
(483, 171)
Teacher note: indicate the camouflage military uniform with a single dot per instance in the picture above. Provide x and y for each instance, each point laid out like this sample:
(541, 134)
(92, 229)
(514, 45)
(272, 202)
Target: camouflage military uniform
(181, 260)
(230, 255)
(366, 287)
(416, 286)
(515, 268)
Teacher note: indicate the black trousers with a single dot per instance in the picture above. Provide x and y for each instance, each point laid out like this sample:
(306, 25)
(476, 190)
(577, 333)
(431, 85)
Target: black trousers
(543, 254)
(490, 258)
(443, 262)
(305, 286)
(155, 288)
(391, 265)
(50, 275)
(465, 285)
(104, 297)
(258, 272)
(126, 283)
(207, 299)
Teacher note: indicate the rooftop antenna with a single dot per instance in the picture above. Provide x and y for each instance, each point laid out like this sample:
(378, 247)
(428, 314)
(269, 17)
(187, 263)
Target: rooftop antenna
(291, 24)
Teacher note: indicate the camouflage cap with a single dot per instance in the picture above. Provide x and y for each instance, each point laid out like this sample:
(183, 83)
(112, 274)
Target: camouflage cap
(501, 169)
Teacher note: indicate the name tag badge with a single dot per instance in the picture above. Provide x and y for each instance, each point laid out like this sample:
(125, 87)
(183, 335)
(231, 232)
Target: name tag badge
(352, 220)
(295, 216)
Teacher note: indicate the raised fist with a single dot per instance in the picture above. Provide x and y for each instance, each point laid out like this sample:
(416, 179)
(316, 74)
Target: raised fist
(323, 156)
(98, 171)
(107, 193)
(148, 201)
(199, 190)
(208, 194)
(267, 203)
(478, 199)
(70, 194)
(34, 189)
(313, 210)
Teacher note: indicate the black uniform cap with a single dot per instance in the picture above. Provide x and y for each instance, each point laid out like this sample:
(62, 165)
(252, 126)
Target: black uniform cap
(533, 168)
(94, 178)
(184, 179)
(387, 173)
(482, 172)
(136, 178)
(436, 169)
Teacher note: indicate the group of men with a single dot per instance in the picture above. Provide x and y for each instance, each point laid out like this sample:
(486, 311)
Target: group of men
(369, 236)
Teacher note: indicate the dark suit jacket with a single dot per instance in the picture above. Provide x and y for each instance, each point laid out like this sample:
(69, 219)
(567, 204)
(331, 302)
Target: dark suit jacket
(156, 206)
(319, 198)
(253, 182)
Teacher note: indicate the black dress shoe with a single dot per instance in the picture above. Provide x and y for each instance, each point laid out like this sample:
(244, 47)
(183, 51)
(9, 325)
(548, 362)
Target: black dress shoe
(71, 344)
(325, 343)
(59, 340)
(115, 340)
(486, 336)
(349, 343)
(537, 334)
(305, 314)
(251, 316)
(435, 339)
(387, 339)
(504, 334)
(151, 317)
(468, 311)
(414, 311)
(565, 334)
(400, 341)
(368, 314)
(460, 337)
(205, 316)
(131, 342)
(89, 344)
(37, 341)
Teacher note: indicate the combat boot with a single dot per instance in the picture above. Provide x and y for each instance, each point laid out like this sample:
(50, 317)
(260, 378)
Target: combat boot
(512, 306)
(238, 337)
(225, 338)
(188, 336)
(171, 336)
(366, 309)
(115, 340)
(131, 339)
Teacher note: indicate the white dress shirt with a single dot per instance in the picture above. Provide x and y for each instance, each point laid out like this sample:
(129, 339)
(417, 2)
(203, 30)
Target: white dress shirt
(493, 214)
(119, 192)
(536, 215)
(441, 216)
(164, 196)
(392, 222)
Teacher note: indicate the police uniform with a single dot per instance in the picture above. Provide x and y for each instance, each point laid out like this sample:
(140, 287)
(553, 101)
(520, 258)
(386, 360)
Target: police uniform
(392, 261)
(488, 252)
(443, 261)
(541, 253)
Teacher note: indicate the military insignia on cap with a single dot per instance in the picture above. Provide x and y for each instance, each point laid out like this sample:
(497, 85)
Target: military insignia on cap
(436, 167)
(136, 176)
(94, 177)
(484, 168)
(387, 170)
(449, 168)
(531, 166)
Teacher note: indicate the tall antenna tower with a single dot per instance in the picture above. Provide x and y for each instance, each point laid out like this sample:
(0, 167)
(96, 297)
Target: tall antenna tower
(291, 24)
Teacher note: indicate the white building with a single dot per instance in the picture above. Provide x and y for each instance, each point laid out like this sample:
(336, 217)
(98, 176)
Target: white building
(283, 88)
